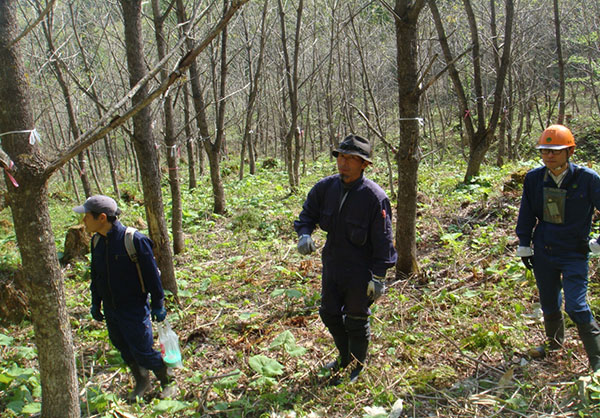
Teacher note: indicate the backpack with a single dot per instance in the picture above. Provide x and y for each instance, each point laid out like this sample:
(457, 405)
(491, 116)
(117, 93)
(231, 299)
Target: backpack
(131, 252)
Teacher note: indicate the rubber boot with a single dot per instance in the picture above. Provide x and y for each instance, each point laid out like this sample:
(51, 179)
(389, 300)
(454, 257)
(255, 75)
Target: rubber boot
(142, 382)
(335, 325)
(359, 334)
(554, 326)
(590, 336)
(167, 383)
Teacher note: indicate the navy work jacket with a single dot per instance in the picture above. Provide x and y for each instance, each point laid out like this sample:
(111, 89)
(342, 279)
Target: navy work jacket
(115, 280)
(360, 233)
(583, 195)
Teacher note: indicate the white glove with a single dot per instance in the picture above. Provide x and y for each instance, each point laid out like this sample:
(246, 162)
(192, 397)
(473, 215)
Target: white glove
(524, 251)
(376, 288)
(594, 246)
(306, 245)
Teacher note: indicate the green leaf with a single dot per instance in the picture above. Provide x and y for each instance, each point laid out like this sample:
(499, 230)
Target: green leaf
(169, 405)
(293, 293)
(286, 337)
(231, 380)
(32, 408)
(244, 316)
(265, 365)
(5, 340)
(287, 340)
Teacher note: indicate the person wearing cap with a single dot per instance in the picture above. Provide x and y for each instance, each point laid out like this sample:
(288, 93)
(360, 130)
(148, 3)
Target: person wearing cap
(119, 296)
(553, 228)
(356, 215)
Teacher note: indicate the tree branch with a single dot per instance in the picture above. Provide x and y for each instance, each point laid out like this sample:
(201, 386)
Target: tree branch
(374, 129)
(34, 24)
(113, 119)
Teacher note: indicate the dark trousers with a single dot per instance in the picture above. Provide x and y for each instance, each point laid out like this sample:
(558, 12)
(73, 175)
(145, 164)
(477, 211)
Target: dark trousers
(131, 334)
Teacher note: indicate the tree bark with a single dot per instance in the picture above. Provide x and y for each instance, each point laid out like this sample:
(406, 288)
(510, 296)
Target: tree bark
(145, 146)
(213, 150)
(561, 66)
(31, 218)
(170, 138)
(408, 156)
(292, 136)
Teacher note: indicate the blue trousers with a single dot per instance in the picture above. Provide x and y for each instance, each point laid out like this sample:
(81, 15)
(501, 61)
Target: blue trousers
(131, 334)
(568, 274)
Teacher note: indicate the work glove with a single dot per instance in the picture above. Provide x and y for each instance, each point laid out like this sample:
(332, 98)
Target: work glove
(526, 254)
(158, 314)
(376, 288)
(594, 246)
(96, 313)
(306, 245)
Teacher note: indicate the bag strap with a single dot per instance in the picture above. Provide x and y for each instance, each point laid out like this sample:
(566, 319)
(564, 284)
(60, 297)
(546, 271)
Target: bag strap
(131, 251)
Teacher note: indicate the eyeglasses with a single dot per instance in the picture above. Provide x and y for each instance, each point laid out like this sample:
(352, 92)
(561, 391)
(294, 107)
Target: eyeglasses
(546, 151)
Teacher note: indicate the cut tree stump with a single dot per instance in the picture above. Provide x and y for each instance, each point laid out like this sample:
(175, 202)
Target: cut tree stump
(77, 244)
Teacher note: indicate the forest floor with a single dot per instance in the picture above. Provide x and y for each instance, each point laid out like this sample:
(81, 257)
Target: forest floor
(450, 341)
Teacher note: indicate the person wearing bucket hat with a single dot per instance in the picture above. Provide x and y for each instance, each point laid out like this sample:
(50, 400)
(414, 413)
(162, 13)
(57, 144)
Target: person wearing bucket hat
(120, 287)
(355, 213)
(553, 227)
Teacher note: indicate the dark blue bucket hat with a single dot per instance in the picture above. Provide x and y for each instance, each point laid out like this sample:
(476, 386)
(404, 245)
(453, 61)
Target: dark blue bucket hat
(354, 145)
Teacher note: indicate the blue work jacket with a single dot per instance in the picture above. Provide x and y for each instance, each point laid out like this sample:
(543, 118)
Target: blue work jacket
(115, 280)
(571, 237)
(360, 232)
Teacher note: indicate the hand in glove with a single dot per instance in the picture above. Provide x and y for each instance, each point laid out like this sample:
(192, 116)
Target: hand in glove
(306, 245)
(376, 288)
(594, 246)
(158, 314)
(96, 313)
(526, 254)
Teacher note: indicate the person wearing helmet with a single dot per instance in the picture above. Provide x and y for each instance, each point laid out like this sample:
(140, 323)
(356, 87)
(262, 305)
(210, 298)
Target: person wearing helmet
(356, 214)
(553, 227)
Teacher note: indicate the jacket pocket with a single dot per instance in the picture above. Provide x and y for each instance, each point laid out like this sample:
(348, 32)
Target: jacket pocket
(326, 220)
(357, 233)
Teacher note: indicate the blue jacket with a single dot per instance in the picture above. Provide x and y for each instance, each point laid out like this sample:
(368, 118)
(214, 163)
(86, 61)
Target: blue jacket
(583, 195)
(358, 234)
(115, 280)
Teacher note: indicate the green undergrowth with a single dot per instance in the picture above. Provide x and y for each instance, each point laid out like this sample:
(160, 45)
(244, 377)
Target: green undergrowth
(447, 342)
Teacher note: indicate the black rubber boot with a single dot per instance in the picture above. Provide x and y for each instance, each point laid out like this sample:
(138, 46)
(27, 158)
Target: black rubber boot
(142, 382)
(359, 334)
(335, 325)
(554, 326)
(167, 383)
(590, 336)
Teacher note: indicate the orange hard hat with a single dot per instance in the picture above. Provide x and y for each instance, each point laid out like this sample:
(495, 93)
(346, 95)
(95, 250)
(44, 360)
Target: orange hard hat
(556, 137)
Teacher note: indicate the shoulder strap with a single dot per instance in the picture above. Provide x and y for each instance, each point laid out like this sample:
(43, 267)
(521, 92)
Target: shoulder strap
(129, 246)
(131, 251)
(95, 240)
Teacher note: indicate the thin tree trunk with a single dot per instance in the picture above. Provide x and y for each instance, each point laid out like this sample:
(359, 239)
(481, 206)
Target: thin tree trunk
(213, 150)
(561, 66)
(143, 141)
(408, 156)
(189, 141)
(170, 139)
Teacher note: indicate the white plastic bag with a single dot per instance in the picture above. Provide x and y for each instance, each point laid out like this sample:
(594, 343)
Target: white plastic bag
(169, 345)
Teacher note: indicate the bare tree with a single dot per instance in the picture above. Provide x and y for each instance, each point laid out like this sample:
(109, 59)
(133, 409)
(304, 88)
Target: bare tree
(170, 137)
(254, 75)
(480, 137)
(408, 157)
(145, 147)
(561, 65)
(292, 137)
